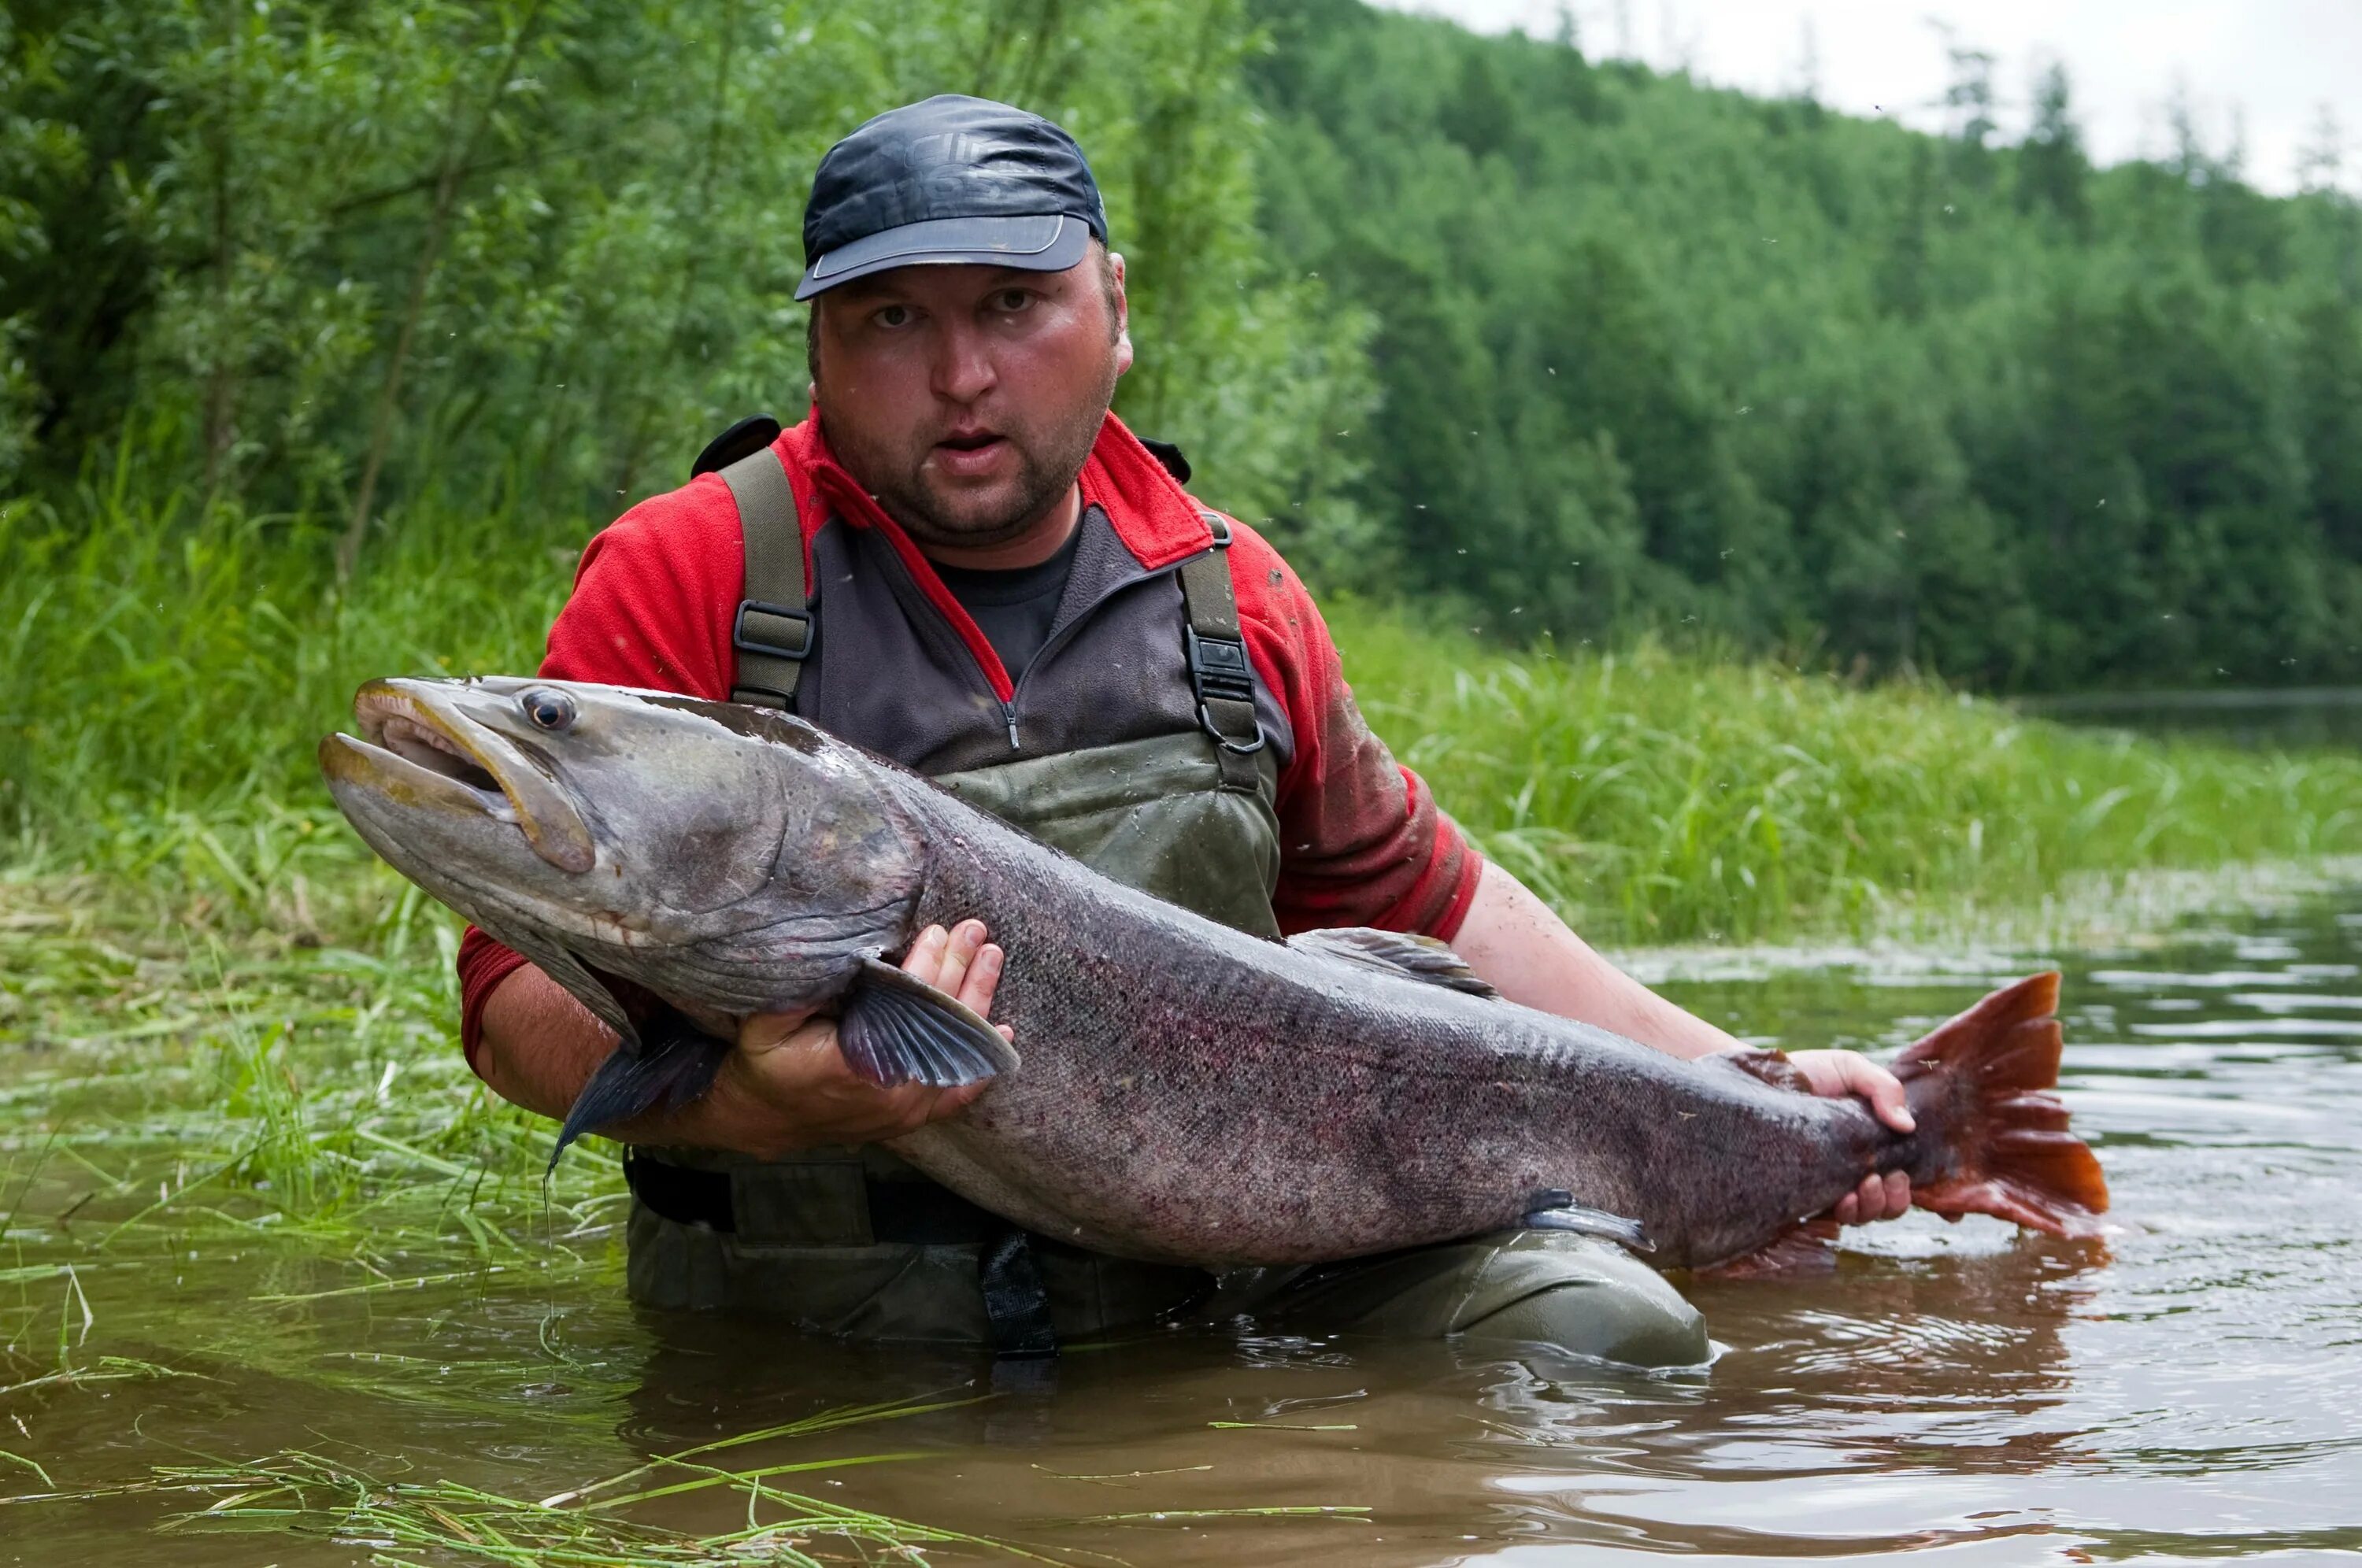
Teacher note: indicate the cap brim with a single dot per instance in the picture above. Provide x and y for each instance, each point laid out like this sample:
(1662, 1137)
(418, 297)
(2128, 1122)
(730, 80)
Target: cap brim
(1046, 242)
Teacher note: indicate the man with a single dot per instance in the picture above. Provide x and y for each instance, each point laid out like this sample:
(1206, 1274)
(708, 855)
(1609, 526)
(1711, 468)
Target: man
(963, 562)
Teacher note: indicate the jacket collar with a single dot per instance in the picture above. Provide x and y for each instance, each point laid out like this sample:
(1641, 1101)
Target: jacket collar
(1150, 514)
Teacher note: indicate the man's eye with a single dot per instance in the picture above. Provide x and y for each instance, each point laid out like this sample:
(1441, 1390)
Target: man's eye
(1011, 300)
(892, 316)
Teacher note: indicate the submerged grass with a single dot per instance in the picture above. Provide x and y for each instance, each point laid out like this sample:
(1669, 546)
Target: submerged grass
(375, 1502)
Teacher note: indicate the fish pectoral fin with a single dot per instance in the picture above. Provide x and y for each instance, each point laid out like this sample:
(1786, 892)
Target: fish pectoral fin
(1807, 1250)
(1400, 953)
(898, 1030)
(1556, 1209)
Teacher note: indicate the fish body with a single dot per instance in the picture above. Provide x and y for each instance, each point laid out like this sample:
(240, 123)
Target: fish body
(1180, 1091)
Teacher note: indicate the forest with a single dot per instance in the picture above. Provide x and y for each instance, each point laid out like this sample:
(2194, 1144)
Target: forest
(1542, 344)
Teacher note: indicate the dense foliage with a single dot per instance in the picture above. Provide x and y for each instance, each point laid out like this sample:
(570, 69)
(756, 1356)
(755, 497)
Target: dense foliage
(1559, 346)
(1653, 353)
(329, 259)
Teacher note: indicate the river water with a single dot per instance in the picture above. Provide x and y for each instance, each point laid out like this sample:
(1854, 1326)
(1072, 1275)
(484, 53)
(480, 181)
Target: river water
(2190, 1388)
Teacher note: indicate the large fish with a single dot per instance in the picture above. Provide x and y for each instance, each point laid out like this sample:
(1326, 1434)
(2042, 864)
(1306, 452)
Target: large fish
(1178, 1090)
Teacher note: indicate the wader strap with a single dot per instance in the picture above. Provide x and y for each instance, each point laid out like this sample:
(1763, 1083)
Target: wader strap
(1219, 672)
(1015, 1303)
(773, 631)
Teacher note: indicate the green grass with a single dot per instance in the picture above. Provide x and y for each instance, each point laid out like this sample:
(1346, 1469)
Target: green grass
(1658, 797)
(165, 674)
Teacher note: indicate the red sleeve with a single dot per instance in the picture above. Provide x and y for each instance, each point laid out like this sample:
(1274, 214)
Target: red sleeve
(651, 607)
(1361, 839)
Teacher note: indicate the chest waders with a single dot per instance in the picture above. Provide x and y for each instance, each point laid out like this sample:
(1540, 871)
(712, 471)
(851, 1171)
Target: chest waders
(856, 1241)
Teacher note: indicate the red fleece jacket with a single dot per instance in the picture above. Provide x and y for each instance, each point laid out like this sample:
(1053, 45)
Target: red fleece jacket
(1361, 839)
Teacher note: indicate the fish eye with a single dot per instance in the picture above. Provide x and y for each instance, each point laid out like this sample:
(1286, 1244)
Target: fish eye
(549, 710)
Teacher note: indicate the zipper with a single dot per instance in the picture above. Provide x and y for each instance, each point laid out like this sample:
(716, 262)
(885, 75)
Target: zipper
(1064, 632)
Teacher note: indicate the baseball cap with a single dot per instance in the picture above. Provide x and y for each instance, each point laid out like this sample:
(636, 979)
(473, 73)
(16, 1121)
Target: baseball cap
(952, 179)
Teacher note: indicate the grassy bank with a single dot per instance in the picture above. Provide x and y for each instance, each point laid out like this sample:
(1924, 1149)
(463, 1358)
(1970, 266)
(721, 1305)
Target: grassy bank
(166, 677)
(1656, 796)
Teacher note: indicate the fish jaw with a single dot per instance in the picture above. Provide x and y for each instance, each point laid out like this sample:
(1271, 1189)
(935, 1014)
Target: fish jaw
(437, 747)
(652, 853)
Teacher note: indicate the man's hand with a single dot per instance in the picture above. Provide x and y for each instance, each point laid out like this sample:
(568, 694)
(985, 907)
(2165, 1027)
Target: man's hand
(1837, 1073)
(790, 1088)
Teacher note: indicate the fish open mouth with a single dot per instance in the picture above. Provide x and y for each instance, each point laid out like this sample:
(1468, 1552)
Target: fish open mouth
(427, 751)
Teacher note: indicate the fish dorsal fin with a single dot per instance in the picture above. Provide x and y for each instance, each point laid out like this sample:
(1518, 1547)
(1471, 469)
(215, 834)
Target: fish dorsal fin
(898, 1030)
(1395, 953)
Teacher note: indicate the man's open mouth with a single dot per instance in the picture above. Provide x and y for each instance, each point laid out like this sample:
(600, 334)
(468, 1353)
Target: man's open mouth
(973, 442)
(424, 754)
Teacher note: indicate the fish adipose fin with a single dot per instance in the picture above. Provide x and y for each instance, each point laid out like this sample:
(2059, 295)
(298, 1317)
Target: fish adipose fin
(674, 1065)
(1807, 1250)
(1397, 953)
(1984, 1080)
(1773, 1067)
(1554, 1208)
(898, 1030)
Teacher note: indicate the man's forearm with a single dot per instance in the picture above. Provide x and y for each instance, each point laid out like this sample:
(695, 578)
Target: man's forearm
(1515, 941)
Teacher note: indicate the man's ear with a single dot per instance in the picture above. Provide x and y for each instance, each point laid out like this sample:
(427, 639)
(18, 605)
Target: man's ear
(1123, 355)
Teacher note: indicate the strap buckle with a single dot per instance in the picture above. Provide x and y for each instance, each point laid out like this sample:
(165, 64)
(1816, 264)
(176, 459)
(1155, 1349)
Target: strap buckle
(762, 640)
(1219, 672)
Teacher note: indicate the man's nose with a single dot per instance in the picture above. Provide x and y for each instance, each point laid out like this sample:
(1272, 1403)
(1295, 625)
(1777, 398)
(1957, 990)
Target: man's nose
(964, 366)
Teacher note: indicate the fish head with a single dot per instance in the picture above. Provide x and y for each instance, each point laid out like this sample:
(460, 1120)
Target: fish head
(639, 846)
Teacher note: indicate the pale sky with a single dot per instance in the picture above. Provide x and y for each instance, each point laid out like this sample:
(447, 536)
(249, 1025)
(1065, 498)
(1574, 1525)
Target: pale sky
(2263, 66)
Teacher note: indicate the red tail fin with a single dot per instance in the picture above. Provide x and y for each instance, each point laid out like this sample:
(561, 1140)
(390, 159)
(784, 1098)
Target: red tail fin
(1982, 1082)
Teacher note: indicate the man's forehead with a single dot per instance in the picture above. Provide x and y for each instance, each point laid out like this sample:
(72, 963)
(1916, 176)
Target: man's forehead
(949, 276)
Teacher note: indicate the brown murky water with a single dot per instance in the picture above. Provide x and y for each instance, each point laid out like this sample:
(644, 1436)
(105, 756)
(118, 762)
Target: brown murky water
(2191, 1389)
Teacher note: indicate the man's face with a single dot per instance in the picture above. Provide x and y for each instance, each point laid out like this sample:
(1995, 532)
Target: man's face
(966, 398)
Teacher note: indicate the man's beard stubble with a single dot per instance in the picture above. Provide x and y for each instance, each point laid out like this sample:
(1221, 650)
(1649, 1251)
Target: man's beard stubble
(1048, 463)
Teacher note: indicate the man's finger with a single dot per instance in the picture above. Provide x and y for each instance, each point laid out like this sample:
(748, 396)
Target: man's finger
(925, 960)
(983, 978)
(959, 954)
(1883, 1091)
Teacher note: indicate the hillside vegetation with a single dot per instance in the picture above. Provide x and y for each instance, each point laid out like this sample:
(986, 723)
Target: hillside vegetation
(1653, 354)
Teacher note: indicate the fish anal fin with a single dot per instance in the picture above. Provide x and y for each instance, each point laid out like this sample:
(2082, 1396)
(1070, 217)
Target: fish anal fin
(1407, 953)
(1807, 1250)
(1554, 1208)
(898, 1030)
